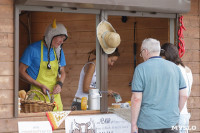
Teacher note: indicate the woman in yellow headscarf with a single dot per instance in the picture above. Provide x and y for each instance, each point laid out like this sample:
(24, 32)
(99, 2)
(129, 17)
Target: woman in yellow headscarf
(42, 63)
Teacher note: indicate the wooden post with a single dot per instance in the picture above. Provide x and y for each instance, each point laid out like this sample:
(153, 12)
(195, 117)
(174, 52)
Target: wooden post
(102, 70)
(16, 69)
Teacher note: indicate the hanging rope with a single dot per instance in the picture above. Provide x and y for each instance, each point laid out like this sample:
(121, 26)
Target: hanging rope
(181, 42)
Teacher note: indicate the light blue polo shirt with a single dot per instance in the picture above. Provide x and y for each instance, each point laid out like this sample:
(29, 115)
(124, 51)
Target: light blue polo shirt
(32, 57)
(159, 81)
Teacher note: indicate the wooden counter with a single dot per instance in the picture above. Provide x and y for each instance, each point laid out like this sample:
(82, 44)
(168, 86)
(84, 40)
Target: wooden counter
(87, 112)
(6, 123)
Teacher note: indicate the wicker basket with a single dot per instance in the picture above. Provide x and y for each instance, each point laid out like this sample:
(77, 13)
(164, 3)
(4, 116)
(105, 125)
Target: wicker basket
(33, 106)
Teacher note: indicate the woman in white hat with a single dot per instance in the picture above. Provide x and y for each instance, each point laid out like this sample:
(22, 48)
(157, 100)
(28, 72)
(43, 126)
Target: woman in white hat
(42, 64)
(87, 78)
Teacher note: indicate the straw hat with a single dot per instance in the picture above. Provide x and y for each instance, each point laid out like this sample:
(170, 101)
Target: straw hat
(108, 38)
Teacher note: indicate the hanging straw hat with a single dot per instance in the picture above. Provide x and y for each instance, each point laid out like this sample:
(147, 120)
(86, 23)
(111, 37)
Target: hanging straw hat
(108, 38)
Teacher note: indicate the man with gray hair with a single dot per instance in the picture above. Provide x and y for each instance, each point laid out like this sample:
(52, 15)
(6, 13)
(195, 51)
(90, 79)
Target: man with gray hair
(158, 92)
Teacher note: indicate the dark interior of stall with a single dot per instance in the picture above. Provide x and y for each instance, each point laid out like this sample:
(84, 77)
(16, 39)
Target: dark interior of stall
(82, 39)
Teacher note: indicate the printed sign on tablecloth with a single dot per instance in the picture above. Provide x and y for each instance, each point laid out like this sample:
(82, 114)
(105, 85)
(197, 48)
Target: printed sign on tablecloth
(106, 123)
(34, 127)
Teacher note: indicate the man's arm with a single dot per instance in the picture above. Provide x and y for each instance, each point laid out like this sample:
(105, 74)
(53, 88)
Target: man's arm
(136, 101)
(24, 75)
(182, 98)
(63, 75)
(57, 87)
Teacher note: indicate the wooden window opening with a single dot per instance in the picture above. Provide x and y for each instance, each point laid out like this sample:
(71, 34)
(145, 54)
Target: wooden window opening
(101, 57)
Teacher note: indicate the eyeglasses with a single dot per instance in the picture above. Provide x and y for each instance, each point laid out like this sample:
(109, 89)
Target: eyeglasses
(141, 52)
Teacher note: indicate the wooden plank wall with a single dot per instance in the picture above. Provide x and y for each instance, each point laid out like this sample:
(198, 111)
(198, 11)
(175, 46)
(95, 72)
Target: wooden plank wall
(122, 72)
(81, 30)
(24, 40)
(192, 59)
(6, 59)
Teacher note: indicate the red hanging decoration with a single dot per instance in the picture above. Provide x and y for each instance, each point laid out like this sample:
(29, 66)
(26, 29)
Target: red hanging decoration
(181, 42)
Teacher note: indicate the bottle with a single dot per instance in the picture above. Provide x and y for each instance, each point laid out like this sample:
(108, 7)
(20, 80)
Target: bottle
(84, 103)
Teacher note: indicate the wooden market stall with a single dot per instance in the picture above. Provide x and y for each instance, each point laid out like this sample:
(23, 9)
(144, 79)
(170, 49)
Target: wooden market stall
(82, 39)
(143, 21)
(80, 21)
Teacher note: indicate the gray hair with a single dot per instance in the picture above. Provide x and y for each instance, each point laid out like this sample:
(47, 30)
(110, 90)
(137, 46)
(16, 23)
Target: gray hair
(152, 45)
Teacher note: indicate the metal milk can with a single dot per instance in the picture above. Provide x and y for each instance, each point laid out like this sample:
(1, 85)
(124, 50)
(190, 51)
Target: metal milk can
(94, 99)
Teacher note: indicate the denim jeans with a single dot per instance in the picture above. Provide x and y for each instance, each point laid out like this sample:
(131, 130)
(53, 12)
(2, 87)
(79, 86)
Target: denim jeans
(76, 106)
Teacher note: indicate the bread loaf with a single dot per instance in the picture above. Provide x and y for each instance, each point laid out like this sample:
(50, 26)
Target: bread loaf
(22, 94)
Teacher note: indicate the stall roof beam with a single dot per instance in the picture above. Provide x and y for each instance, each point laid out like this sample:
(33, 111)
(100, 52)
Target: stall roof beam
(159, 6)
(56, 9)
(141, 14)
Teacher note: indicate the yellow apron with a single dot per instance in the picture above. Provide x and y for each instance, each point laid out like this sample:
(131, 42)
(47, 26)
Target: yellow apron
(48, 77)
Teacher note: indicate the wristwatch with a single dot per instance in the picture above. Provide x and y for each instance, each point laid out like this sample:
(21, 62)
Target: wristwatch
(59, 83)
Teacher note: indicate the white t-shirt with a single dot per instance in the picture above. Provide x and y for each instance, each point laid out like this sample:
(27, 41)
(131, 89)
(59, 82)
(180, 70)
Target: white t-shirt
(187, 74)
(80, 92)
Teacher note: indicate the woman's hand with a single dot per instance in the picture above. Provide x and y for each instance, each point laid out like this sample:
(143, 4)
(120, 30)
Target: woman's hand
(111, 93)
(57, 89)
